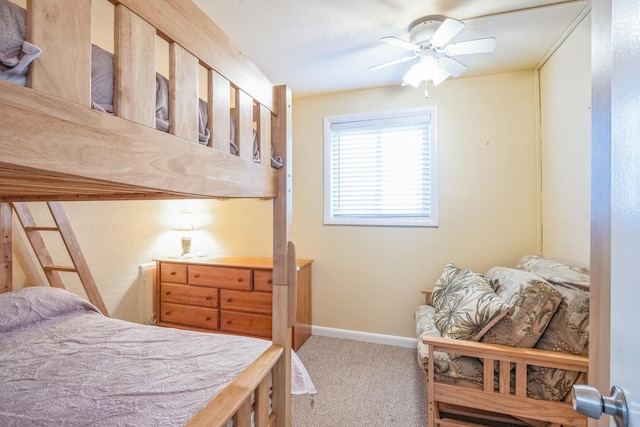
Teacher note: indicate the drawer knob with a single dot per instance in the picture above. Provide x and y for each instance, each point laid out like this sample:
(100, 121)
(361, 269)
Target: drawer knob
(168, 293)
(229, 299)
(196, 275)
(229, 322)
(240, 279)
(173, 273)
(208, 298)
(270, 281)
(208, 318)
(167, 313)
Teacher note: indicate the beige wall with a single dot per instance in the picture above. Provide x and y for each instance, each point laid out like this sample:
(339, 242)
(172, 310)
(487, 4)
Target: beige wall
(369, 278)
(364, 278)
(116, 237)
(565, 98)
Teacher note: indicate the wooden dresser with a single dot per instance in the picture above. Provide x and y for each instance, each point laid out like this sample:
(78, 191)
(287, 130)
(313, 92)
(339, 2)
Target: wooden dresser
(227, 294)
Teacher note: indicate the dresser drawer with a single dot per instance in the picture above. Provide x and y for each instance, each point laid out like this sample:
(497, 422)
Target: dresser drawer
(262, 280)
(191, 295)
(253, 302)
(175, 273)
(220, 277)
(189, 315)
(245, 323)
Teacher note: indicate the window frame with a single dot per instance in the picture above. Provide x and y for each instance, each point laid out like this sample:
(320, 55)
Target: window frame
(391, 221)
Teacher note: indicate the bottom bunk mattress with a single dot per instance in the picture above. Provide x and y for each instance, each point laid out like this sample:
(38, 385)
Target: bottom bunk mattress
(63, 363)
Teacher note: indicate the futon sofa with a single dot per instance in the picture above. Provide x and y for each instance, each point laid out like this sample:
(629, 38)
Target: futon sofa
(506, 345)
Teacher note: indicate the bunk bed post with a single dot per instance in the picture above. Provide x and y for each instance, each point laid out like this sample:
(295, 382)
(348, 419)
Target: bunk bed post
(6, 254)
(282, 208)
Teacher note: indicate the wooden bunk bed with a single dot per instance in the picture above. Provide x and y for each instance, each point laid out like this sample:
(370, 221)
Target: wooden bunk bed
(56, 148)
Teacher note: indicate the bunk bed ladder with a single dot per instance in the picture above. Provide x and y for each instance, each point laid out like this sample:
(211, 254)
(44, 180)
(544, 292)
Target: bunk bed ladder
(51, 270)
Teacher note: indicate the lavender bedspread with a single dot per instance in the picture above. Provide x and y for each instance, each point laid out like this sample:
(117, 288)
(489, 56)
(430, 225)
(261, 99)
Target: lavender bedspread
(62, 363)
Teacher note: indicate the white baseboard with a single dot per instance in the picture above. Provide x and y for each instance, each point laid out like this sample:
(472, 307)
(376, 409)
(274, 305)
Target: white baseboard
(365, 337)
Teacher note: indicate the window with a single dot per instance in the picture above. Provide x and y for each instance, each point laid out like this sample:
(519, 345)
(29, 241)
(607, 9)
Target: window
(381, 168)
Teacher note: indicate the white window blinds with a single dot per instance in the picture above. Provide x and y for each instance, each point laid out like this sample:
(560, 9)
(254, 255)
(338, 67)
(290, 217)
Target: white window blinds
(381, 169)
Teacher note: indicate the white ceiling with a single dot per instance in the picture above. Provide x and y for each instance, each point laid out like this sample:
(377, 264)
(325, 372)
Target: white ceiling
(317, 46)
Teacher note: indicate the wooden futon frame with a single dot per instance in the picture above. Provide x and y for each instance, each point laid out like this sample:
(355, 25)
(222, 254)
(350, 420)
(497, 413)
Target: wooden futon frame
(54, 147)
(460, 405)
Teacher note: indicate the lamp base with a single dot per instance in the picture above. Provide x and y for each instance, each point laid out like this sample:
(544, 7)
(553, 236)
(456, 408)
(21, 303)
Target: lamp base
(186, 244)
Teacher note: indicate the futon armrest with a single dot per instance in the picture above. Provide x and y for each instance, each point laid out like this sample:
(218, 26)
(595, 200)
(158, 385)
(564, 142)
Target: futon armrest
(427, 295)
(503, 353)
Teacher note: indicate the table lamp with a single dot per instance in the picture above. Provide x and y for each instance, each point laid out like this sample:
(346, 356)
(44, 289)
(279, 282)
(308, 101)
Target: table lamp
(185, 225)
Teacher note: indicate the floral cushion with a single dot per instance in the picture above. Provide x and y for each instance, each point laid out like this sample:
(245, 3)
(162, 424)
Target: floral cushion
(532, 300)
(568, 332)
(468, 306)
(450, 274)
(456, 369)
(555, 271)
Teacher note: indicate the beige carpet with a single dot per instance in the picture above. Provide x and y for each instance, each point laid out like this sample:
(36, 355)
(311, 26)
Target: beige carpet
(360, 385)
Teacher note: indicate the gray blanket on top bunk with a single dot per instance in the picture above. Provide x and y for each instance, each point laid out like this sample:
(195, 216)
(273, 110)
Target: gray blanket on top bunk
(102, 93)
(16, 54)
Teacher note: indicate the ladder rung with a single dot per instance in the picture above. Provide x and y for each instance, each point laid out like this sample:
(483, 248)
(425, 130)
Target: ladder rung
(60, 268)
(41, 229)
(39, 246)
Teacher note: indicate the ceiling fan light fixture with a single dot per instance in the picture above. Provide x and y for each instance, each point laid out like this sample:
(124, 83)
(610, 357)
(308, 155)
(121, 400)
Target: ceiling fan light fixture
(440, 75)
(427, 69)
(413, 77)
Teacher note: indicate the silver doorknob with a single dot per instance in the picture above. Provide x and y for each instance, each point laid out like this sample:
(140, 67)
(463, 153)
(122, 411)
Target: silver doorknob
(588, 401)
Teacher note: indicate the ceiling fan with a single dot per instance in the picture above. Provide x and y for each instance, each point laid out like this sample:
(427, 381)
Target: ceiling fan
(429, 39)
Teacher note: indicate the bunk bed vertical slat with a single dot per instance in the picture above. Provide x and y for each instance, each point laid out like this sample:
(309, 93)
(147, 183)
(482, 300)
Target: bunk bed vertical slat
(183, 93)
(264, 138)
(244, 125)
(60, 29)
(6, 256)
(219, 108)
(262, 402)
(134, 68)
(242, 418)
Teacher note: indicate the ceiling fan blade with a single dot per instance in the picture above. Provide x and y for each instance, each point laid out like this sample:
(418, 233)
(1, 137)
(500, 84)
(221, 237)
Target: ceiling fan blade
(397, 61)
(471, 47)
(440, 74)
(447, 30)
(452, 66)
(400, 43)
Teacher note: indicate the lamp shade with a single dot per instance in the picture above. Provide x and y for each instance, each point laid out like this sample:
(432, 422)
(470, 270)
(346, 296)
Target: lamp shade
(185, 222)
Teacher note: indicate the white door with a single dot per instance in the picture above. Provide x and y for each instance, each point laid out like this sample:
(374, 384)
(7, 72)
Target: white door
(615, 210)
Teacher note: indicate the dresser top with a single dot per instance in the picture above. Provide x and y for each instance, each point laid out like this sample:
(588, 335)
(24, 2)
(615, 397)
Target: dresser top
(231, 261)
